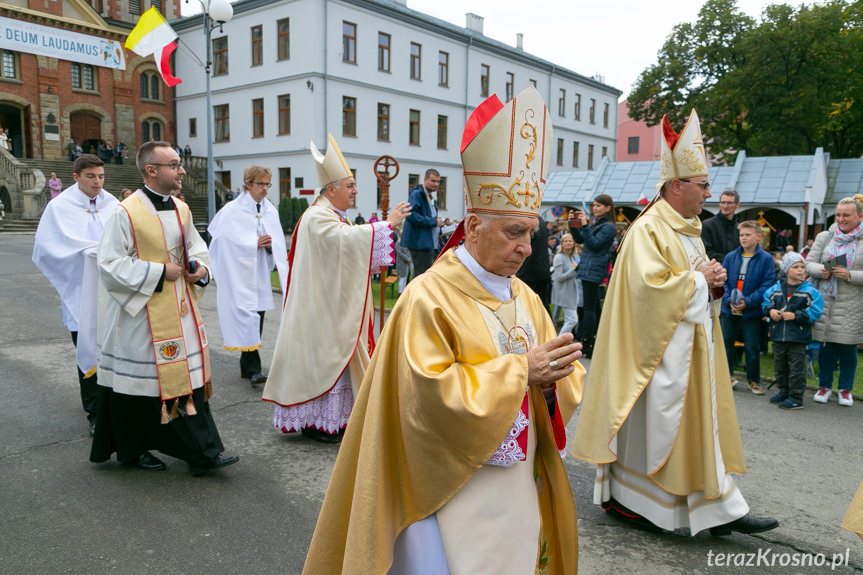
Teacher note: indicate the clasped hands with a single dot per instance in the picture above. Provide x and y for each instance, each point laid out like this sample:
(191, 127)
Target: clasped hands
(552, 360)
(713, 273)
(173, 272)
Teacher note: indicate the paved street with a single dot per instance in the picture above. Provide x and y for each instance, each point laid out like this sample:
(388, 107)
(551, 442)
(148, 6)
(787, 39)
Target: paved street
(59, 513)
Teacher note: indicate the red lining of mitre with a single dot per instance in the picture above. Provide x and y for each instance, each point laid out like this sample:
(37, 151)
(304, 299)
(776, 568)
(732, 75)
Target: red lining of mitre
(481, 116)
(668, 132)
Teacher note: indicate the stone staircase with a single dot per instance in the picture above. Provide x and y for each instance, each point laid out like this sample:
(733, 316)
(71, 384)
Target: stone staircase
(117, 177)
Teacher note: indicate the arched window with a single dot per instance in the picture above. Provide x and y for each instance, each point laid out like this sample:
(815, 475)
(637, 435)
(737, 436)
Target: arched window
(150, 84)
(151, 129)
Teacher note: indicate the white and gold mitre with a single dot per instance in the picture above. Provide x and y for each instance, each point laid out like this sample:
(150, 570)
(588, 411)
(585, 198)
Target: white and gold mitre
(682, 155)
(331, 166)
(506, 151)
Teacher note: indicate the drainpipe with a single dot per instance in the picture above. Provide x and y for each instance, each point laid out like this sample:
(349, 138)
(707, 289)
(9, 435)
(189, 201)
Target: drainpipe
(326, 60)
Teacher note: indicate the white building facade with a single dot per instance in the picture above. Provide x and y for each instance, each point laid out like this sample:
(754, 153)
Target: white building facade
(383, 80)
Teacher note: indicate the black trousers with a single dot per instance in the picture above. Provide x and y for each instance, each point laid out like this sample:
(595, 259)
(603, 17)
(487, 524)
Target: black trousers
(423, 260)
(250, 361)
(89, 387)
(590, 321)
(789, 365)
(131, 424)
(541, 289)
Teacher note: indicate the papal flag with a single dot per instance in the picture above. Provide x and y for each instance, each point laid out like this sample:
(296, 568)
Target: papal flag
(153, 35)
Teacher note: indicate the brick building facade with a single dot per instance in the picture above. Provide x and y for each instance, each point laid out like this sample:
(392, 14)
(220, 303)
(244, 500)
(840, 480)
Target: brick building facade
(45, 101)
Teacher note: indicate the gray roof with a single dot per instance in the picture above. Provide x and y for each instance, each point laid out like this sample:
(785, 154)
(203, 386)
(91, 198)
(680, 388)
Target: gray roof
(773, 180)
(779, 180)
(844, 178)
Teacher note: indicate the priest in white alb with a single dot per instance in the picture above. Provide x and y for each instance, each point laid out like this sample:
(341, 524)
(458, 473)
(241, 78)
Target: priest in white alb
(154, 360)
(247, 245)
(65, 251)
(326, 334)
(658, 416)
(452, 461)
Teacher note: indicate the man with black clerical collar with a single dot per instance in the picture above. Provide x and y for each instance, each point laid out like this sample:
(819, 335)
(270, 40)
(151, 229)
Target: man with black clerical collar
(154, 360)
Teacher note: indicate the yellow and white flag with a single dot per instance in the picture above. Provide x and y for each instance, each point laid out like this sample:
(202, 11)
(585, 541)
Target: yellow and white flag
(153, 35)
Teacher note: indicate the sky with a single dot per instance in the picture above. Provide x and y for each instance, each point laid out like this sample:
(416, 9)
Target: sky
(616, 39)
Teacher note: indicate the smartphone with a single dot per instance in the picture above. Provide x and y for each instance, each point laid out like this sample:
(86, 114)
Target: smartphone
(193, 266)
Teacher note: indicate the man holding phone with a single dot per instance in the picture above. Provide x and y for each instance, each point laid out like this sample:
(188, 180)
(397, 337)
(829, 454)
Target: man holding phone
(154, 361)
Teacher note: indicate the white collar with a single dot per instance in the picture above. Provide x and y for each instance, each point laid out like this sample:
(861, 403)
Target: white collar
(498, 286)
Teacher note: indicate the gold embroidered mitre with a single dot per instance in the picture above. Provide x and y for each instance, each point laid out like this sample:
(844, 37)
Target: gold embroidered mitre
(331, 166)
(506, 152)
(682, 155)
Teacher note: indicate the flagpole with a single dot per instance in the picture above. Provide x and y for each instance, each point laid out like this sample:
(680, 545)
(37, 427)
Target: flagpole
(211, 190)
(213, 13)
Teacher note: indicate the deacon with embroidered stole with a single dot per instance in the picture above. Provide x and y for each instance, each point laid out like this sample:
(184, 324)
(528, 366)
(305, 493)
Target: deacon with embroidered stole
(452, 460)
(154, 361)
(658, 415)
(247, 244)
(325, 337)
(65, 251)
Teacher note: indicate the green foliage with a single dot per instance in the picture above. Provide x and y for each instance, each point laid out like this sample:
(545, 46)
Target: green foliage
(784, 85)
(286, 214)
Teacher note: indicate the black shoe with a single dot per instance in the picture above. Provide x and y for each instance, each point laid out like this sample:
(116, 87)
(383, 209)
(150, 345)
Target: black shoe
(148, 462)
(258, 378)
(321, 436)
(214, 463)
(746, 524)
(633, 519)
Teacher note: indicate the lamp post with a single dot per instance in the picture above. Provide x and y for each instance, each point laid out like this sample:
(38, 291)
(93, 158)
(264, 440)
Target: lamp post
(215, 13)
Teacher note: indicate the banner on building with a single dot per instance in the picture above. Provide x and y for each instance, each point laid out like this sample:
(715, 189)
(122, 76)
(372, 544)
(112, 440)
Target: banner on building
(32, 38)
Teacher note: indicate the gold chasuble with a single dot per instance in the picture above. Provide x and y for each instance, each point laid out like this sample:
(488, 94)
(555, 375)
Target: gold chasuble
(163, 311)
(436, 402)
(646, 303)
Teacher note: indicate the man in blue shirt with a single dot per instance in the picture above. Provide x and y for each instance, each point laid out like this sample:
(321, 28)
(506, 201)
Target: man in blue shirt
(421, 231)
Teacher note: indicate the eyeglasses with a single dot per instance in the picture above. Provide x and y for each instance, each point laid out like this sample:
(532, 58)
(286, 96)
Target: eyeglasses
(704, 185)
(266, 185)
(172, 165)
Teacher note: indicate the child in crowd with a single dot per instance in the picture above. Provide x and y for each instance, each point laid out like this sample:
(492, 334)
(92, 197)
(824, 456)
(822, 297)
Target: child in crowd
(750, 272)
(793, 305)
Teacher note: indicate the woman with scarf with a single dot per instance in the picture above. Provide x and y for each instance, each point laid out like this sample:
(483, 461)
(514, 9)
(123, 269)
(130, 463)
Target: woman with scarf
(836, 259)
(597, 235)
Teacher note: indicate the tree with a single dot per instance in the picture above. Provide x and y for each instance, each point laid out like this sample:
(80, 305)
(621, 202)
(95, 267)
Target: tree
(286, 214)
(785, 85)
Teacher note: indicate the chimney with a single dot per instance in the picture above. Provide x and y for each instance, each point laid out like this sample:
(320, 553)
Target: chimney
(474, 22)
(519, 41)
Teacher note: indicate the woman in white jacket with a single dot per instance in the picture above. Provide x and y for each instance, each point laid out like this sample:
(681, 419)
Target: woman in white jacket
(564, 291)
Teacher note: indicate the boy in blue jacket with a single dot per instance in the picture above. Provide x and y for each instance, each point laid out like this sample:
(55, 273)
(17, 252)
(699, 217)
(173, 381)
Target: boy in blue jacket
(750, 272)
(793, 305)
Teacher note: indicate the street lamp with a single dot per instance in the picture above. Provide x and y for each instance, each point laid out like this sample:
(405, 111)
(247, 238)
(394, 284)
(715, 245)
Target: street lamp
(215, 13)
